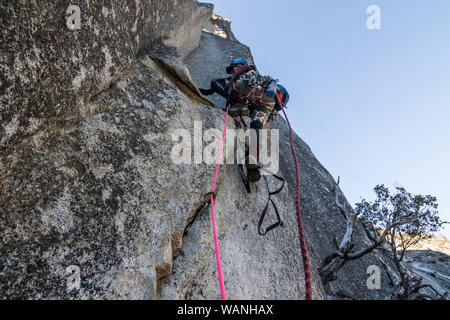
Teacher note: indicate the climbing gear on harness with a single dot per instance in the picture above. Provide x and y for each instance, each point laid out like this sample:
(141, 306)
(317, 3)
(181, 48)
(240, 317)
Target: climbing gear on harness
(273, 115)
(250, 86)
(301, 232)
(252, 79)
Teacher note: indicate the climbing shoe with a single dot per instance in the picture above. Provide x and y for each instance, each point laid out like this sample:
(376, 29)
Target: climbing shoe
(238, 110)
(251, 162)
(253, 175)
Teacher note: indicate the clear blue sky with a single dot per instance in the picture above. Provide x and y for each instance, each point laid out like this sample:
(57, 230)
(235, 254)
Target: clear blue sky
(373, 105)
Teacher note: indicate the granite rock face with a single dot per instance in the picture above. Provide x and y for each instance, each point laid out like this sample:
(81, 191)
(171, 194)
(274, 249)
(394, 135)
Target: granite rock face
(430, 258)
(49, 71)
(88, 188)
(220, 26)
(80, 180)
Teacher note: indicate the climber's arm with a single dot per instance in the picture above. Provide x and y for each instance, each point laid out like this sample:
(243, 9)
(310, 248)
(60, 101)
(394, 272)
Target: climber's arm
(219, 86)
(206, 92)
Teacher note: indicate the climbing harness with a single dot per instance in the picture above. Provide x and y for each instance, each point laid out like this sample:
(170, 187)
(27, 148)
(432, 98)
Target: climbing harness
(301, 232)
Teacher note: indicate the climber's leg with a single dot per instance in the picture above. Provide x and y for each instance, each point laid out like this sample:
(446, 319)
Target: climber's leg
(238, 109)
(253, 155)
(260, 117)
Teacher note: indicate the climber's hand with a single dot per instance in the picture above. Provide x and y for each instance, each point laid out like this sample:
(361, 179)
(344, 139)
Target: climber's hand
(206, 92)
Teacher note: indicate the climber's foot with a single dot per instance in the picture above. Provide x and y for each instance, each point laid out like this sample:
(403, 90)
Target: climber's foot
(253, 175)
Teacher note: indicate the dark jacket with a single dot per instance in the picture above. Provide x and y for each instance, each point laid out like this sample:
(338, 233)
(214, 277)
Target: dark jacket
(222, 87)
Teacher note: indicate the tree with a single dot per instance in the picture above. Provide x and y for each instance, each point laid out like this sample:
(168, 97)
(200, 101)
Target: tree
(403, 220)
(400, 220)
(344, 252)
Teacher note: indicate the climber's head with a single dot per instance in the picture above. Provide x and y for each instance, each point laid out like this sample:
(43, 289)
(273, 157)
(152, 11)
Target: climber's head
(236, 63)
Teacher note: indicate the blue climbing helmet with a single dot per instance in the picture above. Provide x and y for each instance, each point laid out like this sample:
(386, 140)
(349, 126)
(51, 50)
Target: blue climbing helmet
(236, 62)
(240, 60)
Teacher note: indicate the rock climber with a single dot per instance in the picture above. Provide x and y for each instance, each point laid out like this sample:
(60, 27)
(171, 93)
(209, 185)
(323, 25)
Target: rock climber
(251, 95)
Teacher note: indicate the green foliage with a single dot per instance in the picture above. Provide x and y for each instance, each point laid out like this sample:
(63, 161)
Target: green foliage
(411, 217)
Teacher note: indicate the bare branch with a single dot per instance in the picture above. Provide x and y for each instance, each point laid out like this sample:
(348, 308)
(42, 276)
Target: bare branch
(392, 276)
(363, 252)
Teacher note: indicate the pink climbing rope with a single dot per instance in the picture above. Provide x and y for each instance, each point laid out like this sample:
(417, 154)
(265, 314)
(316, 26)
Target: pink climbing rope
(216, 242)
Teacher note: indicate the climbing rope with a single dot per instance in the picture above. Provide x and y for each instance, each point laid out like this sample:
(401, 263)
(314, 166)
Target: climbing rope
(216, 242)
(306, 265)
(304, 252)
